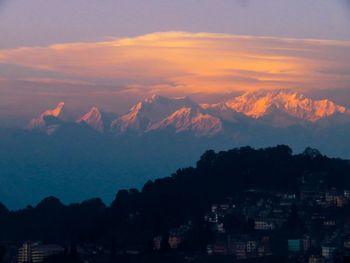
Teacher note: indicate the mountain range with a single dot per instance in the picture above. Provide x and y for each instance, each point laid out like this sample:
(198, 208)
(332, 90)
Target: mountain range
(99, 152)
(278, 109)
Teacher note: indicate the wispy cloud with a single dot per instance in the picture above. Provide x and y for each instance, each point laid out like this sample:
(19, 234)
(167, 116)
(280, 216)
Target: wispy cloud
(181, 62)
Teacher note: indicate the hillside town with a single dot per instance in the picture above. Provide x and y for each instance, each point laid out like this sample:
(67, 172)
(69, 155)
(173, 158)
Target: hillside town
(311, 225)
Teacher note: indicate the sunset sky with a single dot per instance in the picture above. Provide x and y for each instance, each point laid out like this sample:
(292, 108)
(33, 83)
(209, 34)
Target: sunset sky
(112, 52)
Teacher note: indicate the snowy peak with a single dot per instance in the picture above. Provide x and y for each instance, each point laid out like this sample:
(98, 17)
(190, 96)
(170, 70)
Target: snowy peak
(157, 107)
(94, 119)
(260, 104)
(273, 109)
(56, 112)
(155, 99)
(48, 120)
(152, 109)
(189, 119)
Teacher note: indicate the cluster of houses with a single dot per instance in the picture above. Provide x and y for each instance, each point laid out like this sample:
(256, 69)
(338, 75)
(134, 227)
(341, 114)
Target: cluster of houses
(324, 225)
(323, 237)
(252, 225)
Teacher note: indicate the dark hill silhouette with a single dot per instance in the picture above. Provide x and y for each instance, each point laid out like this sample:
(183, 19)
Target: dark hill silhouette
(174, 200)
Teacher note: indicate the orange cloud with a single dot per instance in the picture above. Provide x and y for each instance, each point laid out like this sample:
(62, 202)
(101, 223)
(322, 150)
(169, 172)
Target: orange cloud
(193, 62)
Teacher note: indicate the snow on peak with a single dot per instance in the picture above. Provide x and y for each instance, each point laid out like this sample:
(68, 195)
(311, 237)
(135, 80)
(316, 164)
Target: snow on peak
(148, 111)
(261, 103)
(154, 98)
(56, 112)
(189, 119)
(278, 108)
(93, 118)
(41, 121)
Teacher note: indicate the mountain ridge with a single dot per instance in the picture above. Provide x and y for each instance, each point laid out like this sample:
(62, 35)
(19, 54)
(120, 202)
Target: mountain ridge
(94, 119)
(48, 120)
(261, 103)
(189, 119)
(281, 108)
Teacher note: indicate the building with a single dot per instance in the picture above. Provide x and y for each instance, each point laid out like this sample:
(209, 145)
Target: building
(328, 251)
(306, 242)
(240, 249)
(335, 198)
(25, 253)
(244, 247)
(341, 201)
(347, 242)
(294, 245)
(312, 192)
(316, 259)
(218, 248)
(177, 235)
(157, 242)
(347, 194)
(262, 224)
(36, 252)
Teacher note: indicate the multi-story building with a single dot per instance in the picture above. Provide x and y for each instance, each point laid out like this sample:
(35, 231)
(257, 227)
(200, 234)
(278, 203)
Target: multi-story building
(335, 198)
(264, 224)
(328, 250)
(157, 242)
(25, 253)
(36, 252)
(244, 247)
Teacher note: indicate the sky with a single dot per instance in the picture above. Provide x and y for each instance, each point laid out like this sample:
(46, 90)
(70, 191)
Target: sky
(110, 53)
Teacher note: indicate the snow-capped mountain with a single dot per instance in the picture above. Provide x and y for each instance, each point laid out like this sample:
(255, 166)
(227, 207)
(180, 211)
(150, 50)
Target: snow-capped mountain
(150, 110)
(190, 120)
(273, 109)
(97, 119)
(49, 120)
(160, 134)
(263, 103)
(94, 119)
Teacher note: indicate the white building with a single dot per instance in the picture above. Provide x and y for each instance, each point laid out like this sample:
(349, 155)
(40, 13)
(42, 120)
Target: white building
(261, 224)
(36, 252)
(328, 251)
